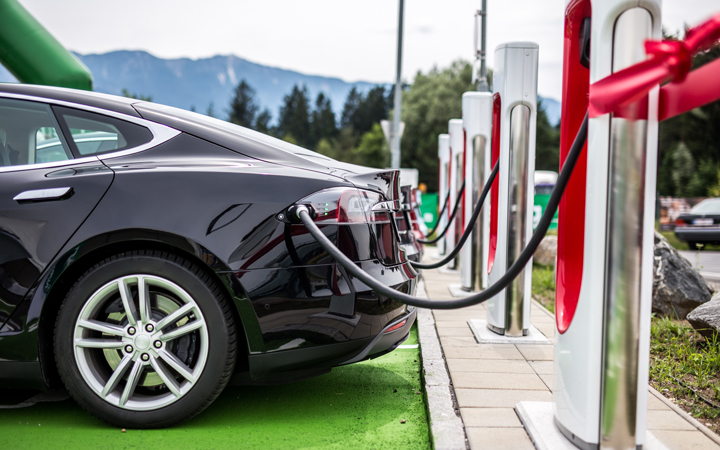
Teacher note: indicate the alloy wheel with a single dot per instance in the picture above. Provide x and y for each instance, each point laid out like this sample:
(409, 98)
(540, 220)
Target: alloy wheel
(140, 342)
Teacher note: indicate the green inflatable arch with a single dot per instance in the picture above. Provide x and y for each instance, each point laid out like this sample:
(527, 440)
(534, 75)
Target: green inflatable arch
(33, 55)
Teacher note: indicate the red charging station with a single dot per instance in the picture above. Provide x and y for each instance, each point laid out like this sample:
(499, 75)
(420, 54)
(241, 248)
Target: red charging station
(511, 195)
(477, 130)
(605, 233)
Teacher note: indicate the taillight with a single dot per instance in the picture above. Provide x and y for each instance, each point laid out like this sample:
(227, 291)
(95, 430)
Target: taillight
(343, 205)
(679, 222)
(397, 326)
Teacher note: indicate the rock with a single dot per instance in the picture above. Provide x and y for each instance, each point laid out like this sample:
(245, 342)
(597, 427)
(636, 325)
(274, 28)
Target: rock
(546, 252)
(677, 287)
(706, 318)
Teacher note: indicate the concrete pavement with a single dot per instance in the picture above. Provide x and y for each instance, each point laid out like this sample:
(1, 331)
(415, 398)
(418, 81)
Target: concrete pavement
(490, 379)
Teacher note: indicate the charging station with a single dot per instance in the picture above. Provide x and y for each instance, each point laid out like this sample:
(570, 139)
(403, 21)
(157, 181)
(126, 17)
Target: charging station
(605, 234)
(443, 184)
(477, 123)
(456, 176)
(511, 197)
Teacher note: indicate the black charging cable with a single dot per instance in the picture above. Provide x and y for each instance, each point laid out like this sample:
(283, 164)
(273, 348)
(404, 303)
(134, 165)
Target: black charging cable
(442, 211)
(468, 229)
(452, 216)
(302, 213)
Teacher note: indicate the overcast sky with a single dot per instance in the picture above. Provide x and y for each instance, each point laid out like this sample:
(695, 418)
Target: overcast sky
(350, 40)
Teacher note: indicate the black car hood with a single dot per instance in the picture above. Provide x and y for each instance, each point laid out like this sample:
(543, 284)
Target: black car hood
(266, 148)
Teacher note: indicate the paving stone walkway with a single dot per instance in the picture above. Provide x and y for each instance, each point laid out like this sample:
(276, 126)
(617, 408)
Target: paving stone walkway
(490, 379)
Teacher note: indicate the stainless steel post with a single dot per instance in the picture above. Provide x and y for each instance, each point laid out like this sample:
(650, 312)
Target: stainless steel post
(517, 215)
(624, 237)
(479, 147)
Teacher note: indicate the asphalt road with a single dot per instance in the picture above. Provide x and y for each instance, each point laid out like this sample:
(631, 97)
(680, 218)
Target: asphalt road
(707, 263)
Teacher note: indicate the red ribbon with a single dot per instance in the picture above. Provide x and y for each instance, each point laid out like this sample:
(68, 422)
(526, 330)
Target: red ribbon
(668, 61)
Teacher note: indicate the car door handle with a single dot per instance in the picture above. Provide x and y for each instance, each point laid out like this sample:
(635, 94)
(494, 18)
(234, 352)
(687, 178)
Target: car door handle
(44, 195)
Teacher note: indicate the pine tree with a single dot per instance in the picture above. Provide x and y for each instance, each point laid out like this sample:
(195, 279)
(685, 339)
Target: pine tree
(373, 109)
(243, 107)
(262, 121)
(361, 112)
(323, 120)
(294, 117)
(349, 117)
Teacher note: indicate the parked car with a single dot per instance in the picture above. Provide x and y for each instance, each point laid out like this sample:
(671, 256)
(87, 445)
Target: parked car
(147, 260)
(701, 225)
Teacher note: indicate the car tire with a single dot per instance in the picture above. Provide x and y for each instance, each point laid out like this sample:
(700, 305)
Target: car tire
(693, 246)
(150, 360)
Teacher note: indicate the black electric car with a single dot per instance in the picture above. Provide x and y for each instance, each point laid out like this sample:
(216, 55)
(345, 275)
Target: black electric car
(147, 259)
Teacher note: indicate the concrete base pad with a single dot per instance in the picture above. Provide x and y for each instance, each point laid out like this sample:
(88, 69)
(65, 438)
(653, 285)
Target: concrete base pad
(539, 422)
(456, 290)
(448, 271)
(485, 336)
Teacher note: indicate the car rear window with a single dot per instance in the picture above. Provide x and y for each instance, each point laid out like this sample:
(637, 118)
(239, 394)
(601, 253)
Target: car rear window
(94, 134)
(709, 206)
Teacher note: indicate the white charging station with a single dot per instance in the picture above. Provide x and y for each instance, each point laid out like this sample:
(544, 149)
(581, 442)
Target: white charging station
(477, 123)
(455, 133)
(511, 197)
(443, 183)
(605, 234)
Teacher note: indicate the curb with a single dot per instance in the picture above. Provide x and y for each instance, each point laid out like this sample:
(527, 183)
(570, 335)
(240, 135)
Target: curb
(693, 421)
(447, 431)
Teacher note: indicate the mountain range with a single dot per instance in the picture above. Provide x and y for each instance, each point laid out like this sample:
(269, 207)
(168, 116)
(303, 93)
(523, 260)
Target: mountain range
(201, 84)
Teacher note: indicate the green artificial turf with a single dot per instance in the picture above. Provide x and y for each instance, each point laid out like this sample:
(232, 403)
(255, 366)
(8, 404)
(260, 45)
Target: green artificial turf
(356, 406)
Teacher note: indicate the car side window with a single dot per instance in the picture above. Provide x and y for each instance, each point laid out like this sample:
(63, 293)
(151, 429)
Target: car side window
(94, 134)
(29, 134)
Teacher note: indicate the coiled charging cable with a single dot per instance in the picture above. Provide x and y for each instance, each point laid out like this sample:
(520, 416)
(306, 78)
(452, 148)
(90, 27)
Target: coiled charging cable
(303, 214)
(452, 216)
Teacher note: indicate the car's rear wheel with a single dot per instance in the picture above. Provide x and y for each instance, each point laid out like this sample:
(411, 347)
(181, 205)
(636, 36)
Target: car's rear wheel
(145, 339)
(693, 246)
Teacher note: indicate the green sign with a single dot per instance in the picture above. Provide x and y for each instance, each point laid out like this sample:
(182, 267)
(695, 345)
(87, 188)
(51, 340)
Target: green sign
(429, 209)
(541, 201)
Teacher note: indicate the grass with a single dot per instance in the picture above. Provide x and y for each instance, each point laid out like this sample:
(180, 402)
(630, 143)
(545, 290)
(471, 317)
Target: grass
(357, 406)
(682, 361)
(543, 286)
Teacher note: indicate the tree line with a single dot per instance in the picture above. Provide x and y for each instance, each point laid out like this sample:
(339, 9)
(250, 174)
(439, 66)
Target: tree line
(689, 147)
(356, 136)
